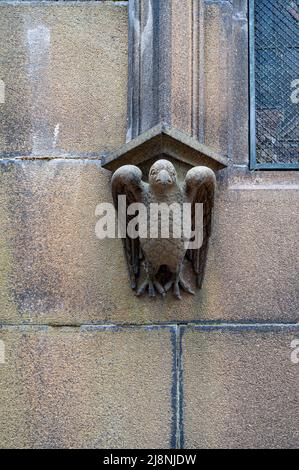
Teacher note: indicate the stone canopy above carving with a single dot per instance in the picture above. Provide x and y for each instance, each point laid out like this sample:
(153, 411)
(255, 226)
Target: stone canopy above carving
(164, 140)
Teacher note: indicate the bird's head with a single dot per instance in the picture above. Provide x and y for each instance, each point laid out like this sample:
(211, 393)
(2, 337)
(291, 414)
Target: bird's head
(162, 174)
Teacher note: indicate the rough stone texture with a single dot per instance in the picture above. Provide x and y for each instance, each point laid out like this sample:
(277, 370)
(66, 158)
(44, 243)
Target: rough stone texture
(240, 388)
(168, 141)
(254, 255)
(87, 388)
(164, 81)
(54, 269)
(65, 70)
(218, 82)
(198, 80)
(239, 74)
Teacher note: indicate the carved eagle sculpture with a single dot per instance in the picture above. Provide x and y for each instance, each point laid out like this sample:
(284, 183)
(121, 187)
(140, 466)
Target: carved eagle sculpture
(165, 255)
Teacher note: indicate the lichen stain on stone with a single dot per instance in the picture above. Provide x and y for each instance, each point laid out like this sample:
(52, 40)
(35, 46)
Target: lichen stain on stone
(38, 43)
(147, 33)
(7, 306)
(63, 65)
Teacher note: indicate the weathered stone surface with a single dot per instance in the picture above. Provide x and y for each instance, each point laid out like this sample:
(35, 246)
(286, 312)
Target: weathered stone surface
(65, 70)
(164, 65)
(54, 269)
(240, 388)
(168, 141)
(253, 261)
(198, 80)
(87, 388)
(239, 74)
(218, 76)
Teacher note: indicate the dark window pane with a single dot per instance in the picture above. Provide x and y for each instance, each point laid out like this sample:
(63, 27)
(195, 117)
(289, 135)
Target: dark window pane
(277, 80)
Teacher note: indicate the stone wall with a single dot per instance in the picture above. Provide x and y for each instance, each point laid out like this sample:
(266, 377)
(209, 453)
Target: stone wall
(87, 364)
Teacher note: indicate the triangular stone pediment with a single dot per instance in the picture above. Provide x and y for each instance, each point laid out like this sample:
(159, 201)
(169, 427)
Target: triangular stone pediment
(164, 140)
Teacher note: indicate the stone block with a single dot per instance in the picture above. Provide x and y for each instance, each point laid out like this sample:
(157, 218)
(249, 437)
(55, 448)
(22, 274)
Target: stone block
(87, 388)
(55, 270)
(253, 260)
(64, 65)
(240, 387)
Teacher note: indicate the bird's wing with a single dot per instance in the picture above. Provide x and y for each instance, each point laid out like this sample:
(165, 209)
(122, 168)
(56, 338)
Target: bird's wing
(199, 187)
(126, 181)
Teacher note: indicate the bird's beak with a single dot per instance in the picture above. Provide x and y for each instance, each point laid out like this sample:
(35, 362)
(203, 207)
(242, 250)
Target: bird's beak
(163, 177)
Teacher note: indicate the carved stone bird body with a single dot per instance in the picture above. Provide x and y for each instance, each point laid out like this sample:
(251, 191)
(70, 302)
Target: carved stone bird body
(157, 251)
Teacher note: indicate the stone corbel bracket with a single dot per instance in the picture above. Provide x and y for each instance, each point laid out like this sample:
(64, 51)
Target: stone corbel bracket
(165, 128)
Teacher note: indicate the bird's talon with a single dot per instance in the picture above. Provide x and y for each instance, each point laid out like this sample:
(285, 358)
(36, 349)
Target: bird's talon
(168, 286)
(185, 286)
(151, 287)
(151, 290)
(159, 288)
(177, 285)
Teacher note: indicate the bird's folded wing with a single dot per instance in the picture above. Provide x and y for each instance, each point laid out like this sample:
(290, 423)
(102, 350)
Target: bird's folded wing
(127, 182)
(199, 187)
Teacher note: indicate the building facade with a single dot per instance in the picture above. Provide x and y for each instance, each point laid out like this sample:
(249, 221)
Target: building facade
(84, 362)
